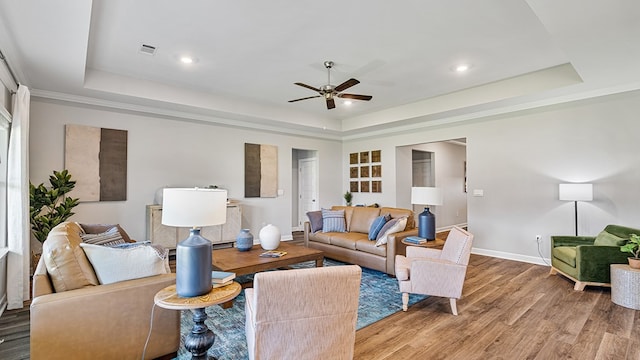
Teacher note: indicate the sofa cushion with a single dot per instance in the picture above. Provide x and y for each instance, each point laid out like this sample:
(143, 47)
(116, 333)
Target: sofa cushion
(377, 225)
(347, 240)
(315, 220)
(368, 246)
(132, 261)
(321, 237)
(566, 254)
(607, 239)
(362, 218)
(333, 221)
(66, 263)
(391, 227)
(107, 238)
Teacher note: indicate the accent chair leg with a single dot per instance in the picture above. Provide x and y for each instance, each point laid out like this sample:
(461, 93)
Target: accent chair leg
(454, 306)
(405, 301)
(552, 271)
(579, 286)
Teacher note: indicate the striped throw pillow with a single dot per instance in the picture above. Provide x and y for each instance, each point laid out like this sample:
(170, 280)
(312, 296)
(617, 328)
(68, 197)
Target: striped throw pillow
(108, 238)
(333, 221)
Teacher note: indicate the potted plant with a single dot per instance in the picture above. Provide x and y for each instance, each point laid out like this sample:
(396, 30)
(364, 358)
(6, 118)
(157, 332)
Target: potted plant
(51, 206)
(348, 197)
(633, 246)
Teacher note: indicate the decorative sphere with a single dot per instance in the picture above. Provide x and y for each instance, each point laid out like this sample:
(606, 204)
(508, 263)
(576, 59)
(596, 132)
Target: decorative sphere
(269, 237)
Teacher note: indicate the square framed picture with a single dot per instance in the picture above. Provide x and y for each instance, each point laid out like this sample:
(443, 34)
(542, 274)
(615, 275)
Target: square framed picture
(376, 156)
(364, 186)
(353, 158)
(376, 171)
(376, 186)
(364, 157)
(364, 171)
(353, 172)
(353, 186)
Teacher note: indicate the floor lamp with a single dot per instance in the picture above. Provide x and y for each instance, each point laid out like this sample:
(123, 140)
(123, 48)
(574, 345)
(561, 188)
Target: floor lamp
(426, 219)
(575, 193)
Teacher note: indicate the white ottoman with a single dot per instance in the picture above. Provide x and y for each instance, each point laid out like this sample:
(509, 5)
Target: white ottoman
(625, 286)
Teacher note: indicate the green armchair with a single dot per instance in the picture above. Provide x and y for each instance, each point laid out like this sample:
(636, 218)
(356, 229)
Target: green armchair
(587, 259)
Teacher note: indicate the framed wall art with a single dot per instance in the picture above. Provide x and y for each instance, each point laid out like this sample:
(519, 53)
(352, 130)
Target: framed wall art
(366, 175)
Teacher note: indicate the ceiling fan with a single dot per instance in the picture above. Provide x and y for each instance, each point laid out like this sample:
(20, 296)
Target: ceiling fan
(329, 91)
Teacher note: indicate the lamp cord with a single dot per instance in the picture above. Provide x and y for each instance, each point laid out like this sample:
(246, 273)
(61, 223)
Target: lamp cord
(146, 343)
(541, 257)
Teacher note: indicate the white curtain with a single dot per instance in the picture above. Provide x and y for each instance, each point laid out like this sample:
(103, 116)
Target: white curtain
(18, 224)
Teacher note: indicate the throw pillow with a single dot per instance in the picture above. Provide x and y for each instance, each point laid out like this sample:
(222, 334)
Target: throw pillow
(398, 225)
(107, 238)
(315, 220)
(377, 225)
(67, 265)
(333, 221)
(112, 264)
(608, 239)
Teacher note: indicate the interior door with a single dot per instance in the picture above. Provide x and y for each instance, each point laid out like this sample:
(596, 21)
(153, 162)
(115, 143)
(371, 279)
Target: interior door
(308, 188)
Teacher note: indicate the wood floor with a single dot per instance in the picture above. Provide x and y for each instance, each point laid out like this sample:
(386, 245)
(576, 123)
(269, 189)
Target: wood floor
(509, 310)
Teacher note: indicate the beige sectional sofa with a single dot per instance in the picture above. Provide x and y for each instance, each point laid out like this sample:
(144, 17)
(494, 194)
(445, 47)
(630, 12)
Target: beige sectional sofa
(354, 246)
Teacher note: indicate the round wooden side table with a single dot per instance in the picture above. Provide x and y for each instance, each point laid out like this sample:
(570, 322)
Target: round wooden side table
(625, 286)
(429, 244)
(201, 337)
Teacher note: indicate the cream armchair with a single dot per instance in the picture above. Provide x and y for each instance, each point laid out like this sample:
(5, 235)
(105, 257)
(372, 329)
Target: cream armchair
(303, 313)
(435, 272)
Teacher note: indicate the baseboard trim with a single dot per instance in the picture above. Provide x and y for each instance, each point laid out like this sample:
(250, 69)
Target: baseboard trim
(511, 256)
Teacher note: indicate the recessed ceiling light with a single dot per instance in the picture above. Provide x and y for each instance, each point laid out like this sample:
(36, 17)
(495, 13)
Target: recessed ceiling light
(461, 67)
(347, 102)
(186, 59)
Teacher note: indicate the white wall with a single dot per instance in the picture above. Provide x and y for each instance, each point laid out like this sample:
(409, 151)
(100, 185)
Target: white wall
(519, 159)
(165, 152)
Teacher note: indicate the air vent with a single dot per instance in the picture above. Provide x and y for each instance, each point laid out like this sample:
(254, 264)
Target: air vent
(148, 49)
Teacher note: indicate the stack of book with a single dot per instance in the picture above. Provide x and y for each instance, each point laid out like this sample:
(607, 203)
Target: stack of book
(222, 278)
(415, 240)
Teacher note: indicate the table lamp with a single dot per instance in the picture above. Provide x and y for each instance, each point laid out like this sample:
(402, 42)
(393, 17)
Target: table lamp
(426, 219)
(194, 208)
(575, 193)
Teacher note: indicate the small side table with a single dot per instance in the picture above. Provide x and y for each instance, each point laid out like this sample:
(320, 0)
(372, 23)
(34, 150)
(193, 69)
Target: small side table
(625, 286)
(430, 244)
(201, 337)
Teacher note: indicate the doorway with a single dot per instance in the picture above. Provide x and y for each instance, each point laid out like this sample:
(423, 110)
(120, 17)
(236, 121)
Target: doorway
(305, 186)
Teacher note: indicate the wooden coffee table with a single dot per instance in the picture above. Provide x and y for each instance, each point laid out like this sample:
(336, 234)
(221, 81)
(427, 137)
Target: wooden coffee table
(249, 262)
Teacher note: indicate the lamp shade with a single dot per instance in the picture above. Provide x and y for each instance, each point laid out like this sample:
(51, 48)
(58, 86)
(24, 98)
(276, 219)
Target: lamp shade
(194, 207)
(426, 196)
(576, 192)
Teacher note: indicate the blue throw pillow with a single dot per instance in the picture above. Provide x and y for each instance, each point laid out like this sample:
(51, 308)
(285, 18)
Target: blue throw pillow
(333, 221)
(377, 225)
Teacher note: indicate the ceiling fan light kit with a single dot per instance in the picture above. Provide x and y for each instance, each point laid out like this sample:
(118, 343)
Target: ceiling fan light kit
(329, 91)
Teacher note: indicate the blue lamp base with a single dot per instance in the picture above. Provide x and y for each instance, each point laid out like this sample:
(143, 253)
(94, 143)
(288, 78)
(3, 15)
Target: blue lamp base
(193, 265)
(427, 225)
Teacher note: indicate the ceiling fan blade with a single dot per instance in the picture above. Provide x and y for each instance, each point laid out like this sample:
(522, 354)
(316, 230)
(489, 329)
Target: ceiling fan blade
(305, 98)
(356, 97)
(347, 84)
(307, 86)
(331, 104)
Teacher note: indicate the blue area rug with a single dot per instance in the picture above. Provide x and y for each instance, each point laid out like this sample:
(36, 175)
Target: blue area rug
(379, 298)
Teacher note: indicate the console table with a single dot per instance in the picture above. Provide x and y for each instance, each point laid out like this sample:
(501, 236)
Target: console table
(169, 236)
(201, 337)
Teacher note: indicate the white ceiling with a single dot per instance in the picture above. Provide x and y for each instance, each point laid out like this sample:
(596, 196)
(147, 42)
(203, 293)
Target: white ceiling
(249, 54)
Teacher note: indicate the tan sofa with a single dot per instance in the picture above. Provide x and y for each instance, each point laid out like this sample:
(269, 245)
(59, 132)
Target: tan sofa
(87, 320)
(353, 246)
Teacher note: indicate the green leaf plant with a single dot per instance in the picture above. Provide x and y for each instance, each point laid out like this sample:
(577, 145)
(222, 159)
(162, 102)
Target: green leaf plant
(632, 246)
(51, 206)
(348, 197)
